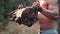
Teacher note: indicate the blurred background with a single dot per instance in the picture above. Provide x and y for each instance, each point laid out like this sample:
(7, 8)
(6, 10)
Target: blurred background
(8, 27)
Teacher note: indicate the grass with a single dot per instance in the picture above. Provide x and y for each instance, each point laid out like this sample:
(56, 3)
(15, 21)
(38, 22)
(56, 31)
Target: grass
(15, 28)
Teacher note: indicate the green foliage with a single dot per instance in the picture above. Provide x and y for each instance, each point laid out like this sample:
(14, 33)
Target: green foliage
(31, 2)
(12, 5)
(6, 6)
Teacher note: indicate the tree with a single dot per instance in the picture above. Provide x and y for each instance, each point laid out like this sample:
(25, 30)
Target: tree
(6, 6)
(23, 4)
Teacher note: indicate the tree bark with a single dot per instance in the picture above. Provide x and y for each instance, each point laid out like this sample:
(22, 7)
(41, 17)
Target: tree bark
(23, 3)
(5, 7)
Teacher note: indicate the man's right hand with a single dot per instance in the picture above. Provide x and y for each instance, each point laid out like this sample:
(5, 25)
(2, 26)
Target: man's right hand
(36, 5)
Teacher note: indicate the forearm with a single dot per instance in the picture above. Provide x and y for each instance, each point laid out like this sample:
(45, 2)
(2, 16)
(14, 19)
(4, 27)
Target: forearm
(49, 14)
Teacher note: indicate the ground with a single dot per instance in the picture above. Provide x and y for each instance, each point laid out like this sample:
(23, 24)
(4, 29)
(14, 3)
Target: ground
(15, 28)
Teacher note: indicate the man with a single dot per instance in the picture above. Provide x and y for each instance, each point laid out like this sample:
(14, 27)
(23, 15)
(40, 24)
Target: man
(48, 16)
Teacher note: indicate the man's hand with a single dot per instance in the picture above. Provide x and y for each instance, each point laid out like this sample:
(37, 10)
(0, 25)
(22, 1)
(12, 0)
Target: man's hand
(36, 5)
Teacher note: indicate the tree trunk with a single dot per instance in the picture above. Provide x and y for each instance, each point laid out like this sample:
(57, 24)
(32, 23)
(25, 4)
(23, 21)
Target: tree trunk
(5, 7)
(23, 3)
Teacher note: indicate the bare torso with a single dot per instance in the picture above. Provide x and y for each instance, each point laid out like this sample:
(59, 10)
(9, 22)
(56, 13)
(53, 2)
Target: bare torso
(46, 22)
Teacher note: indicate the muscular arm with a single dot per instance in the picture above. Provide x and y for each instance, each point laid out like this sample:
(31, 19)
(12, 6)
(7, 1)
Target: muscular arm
(53, 13)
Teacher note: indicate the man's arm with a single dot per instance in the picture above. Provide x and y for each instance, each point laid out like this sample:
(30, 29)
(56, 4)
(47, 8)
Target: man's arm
(53, 13)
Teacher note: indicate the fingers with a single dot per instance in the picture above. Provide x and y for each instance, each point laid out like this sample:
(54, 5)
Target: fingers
(36, 4)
